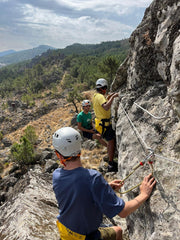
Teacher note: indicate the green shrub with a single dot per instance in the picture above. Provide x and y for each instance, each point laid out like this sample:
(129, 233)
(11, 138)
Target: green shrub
(30, 134)
(1, 136)
(23, 153)
(4, 106)
(28, 99)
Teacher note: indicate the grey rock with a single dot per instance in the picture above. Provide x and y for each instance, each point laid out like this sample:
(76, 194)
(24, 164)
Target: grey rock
(153, 82)
(89, 144)
(6, 142)
(30, 209)
(50, 166)
(149, 77)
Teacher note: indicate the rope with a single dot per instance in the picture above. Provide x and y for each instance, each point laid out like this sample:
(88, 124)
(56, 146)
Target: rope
(144, 147)
(168, 159)
(152, 171)
(150, 113)
(149, 159)
(141, 141)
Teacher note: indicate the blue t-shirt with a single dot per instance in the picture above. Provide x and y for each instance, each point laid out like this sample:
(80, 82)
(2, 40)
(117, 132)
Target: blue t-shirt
(83, 197)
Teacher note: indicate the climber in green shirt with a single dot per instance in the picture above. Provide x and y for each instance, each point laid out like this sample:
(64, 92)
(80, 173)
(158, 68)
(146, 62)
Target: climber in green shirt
(84, 121)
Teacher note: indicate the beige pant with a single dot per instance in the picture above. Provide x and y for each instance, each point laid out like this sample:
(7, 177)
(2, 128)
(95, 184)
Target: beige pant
(107, 233)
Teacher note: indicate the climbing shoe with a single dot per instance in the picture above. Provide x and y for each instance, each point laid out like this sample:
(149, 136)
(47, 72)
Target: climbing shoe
(106, 158)
(112, 167)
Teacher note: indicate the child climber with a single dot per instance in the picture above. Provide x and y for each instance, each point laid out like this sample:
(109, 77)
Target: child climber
(84, 120)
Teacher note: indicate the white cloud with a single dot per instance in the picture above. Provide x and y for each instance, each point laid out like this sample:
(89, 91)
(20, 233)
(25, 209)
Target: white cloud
(102, 5)
(60, 23)
(83, 29)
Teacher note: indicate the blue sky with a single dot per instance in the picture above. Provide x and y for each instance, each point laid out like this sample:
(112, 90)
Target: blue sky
(25, 24)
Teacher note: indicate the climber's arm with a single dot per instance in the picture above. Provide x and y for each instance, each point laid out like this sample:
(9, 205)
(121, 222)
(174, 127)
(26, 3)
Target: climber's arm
(145, 191)
(108, 104)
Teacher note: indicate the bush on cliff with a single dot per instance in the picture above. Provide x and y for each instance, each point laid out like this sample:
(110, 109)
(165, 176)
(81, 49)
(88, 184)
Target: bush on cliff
(23, 153)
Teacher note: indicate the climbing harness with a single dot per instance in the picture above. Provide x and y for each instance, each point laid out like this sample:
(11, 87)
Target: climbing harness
(102, 125)
(150, 113)
(105, 124)
(149, 158)
(66, 233)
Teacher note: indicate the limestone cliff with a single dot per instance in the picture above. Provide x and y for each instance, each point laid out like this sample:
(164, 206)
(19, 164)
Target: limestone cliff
(27, 203)
(147, 117)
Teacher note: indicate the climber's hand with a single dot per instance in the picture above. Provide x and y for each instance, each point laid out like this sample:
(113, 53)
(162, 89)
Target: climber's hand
(116, 184)
(147, 185)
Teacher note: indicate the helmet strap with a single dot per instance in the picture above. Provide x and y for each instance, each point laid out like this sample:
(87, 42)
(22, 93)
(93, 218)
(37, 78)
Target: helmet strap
(102, 91)
(62, 159)
(63, 162)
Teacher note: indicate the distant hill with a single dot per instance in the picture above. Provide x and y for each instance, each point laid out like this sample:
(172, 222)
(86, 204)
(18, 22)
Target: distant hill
(4, 53)
(104, 48)
(16, 57)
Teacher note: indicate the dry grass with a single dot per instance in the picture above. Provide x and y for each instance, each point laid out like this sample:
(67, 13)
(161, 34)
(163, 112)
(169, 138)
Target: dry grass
(46, 125)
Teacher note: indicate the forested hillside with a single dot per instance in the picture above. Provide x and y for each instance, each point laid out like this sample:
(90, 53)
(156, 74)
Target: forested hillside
(74, 66)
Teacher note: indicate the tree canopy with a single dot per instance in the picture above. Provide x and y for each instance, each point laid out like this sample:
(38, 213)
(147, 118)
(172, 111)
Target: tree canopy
(73, 65)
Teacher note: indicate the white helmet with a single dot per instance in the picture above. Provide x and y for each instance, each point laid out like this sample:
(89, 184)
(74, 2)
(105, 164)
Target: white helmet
(101, 82)
(67, 141)
(86, 103)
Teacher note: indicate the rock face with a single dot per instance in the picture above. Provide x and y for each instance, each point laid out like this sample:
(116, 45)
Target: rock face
(28, 204)
(149, 80)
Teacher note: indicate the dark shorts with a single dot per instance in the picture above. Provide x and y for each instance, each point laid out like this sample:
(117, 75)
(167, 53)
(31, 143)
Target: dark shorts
(109, 133)
(87, 135)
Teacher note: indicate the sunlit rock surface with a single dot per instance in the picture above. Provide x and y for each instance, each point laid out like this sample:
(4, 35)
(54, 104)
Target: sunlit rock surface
(30, 210)
(149, 80)
(149, 77)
